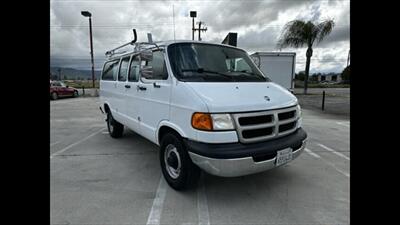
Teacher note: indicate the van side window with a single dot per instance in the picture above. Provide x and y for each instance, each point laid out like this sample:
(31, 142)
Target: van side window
(237, 64)
(134, 69)
(110, 70)
(159, 68)
(123, 70)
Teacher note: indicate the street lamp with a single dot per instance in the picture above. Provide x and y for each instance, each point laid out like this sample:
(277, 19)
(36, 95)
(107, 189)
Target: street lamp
(193, 14)
(88, 14)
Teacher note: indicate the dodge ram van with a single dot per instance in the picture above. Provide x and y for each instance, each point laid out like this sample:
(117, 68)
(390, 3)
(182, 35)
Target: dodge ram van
(207, 106)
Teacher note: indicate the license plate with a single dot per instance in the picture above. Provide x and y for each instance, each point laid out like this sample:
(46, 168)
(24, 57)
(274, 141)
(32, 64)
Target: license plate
(283, 156)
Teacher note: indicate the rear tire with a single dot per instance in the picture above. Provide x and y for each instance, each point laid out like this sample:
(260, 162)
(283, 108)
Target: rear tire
(76, 94)
(178, 169)
(115, 129)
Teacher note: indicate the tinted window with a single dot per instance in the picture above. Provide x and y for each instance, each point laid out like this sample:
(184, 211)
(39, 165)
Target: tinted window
(110, 70)
(134, 70)
(124, 69)
(158, 64)
(56, 84)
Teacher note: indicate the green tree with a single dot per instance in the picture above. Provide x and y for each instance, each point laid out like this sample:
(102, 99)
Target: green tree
(314, 77)
(298, 33)
(346, 74)
(300, 75)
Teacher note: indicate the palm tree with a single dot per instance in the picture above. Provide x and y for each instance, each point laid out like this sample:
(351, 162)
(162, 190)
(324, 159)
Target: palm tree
(298, 33)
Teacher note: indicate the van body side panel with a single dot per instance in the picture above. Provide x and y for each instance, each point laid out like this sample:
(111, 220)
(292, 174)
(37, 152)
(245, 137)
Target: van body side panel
(153, 106)
(107, 93)
(185, 102)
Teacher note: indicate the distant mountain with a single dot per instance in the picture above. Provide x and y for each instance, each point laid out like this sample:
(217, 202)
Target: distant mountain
(74, 74)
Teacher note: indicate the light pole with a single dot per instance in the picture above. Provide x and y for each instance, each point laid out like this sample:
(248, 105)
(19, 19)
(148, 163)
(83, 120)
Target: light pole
(88, 14)
(193, 14)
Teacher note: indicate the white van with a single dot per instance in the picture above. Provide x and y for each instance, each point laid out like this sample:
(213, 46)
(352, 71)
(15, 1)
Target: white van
(207, 106)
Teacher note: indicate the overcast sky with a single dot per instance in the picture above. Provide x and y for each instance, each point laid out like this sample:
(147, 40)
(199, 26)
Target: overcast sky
(258, 23)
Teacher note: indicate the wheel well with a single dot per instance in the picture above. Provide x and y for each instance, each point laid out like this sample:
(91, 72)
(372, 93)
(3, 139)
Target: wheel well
(106, 108)
(164, 130)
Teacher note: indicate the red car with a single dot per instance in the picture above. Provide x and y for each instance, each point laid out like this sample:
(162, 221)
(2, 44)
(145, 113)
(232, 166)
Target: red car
(59, 89)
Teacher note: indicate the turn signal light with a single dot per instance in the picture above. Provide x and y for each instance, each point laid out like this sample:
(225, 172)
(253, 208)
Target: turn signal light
(202, 121)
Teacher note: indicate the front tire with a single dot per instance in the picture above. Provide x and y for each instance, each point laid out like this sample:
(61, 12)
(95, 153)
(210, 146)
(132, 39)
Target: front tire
(54, 96)
(178, 169)
(115, 129)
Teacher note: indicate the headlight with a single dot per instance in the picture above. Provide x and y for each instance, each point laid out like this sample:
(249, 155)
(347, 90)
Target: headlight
(299, 110)
(300, 120)
(222, 122)
(207, 121)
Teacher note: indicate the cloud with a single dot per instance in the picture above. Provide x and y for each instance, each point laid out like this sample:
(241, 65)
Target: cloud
(258, 24)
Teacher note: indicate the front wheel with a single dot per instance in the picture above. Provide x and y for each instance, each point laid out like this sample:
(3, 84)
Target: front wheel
(54, 95)
(178, 169)
(115, 129)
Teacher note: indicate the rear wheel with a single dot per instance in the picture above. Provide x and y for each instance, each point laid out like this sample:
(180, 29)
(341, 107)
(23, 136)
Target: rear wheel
(75, 94)
(178, 169)
(115, 129)
(54, 95)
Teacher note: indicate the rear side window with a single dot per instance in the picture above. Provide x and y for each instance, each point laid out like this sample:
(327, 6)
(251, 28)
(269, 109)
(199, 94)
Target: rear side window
(134, 70)
(159, 68)
(110, 70)
(56, 84)
(123, 71)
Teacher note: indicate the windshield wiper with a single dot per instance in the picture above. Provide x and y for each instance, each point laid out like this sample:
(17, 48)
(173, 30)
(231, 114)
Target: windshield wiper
(201, 70)
(247, 73)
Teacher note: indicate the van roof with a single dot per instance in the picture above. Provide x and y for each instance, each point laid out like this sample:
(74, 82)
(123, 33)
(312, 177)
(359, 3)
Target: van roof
(164, 44)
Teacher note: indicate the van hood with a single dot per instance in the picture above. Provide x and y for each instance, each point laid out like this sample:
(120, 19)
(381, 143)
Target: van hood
(243, 96)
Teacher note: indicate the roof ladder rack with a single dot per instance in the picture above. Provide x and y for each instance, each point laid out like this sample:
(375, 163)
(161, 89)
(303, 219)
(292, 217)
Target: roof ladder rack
(138, 46)
(112, 52)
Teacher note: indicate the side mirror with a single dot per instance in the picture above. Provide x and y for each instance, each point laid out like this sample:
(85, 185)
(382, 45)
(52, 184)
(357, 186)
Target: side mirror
(146, 55)
(67, 86)
(147, 72)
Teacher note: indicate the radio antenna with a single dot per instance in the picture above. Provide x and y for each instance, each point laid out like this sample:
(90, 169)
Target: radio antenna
(173, 18)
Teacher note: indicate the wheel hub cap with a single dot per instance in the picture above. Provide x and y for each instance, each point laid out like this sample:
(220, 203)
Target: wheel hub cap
(172, 161)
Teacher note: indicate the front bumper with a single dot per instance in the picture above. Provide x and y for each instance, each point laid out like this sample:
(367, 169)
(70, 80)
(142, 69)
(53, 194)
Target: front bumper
(236, 159)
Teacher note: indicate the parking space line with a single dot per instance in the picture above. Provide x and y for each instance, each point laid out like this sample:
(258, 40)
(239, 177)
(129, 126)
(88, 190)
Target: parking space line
(343, 124)
(202, 205)
(76, 143)
(329, 163)
(51, 144)
(158, 202)
(312, 153)
(333, 151)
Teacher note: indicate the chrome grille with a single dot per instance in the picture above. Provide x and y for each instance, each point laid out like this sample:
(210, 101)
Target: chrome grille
(265, 125)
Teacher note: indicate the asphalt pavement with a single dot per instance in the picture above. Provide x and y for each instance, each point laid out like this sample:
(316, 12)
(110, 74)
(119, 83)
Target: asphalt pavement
(96, 179)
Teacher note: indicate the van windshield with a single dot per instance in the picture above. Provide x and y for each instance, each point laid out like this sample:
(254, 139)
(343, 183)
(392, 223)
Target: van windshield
(196, 62)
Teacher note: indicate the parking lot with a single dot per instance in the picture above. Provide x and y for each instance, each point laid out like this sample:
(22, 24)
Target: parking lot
(96, 179)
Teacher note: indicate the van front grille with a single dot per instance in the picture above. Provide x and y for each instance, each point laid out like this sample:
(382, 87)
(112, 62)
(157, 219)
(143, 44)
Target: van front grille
(265, 125)
(288, 126)
(257, 132)
(286, 115)
(255, 120)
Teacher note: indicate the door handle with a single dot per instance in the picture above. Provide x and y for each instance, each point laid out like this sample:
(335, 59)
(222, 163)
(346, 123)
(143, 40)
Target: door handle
(142, 88)
(127, 86)
(156, 85)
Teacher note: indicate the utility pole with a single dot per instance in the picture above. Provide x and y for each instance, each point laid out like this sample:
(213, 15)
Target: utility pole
(201, 29)
(59, 74)
(88, 14)
(348, 58)
(193, 14)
